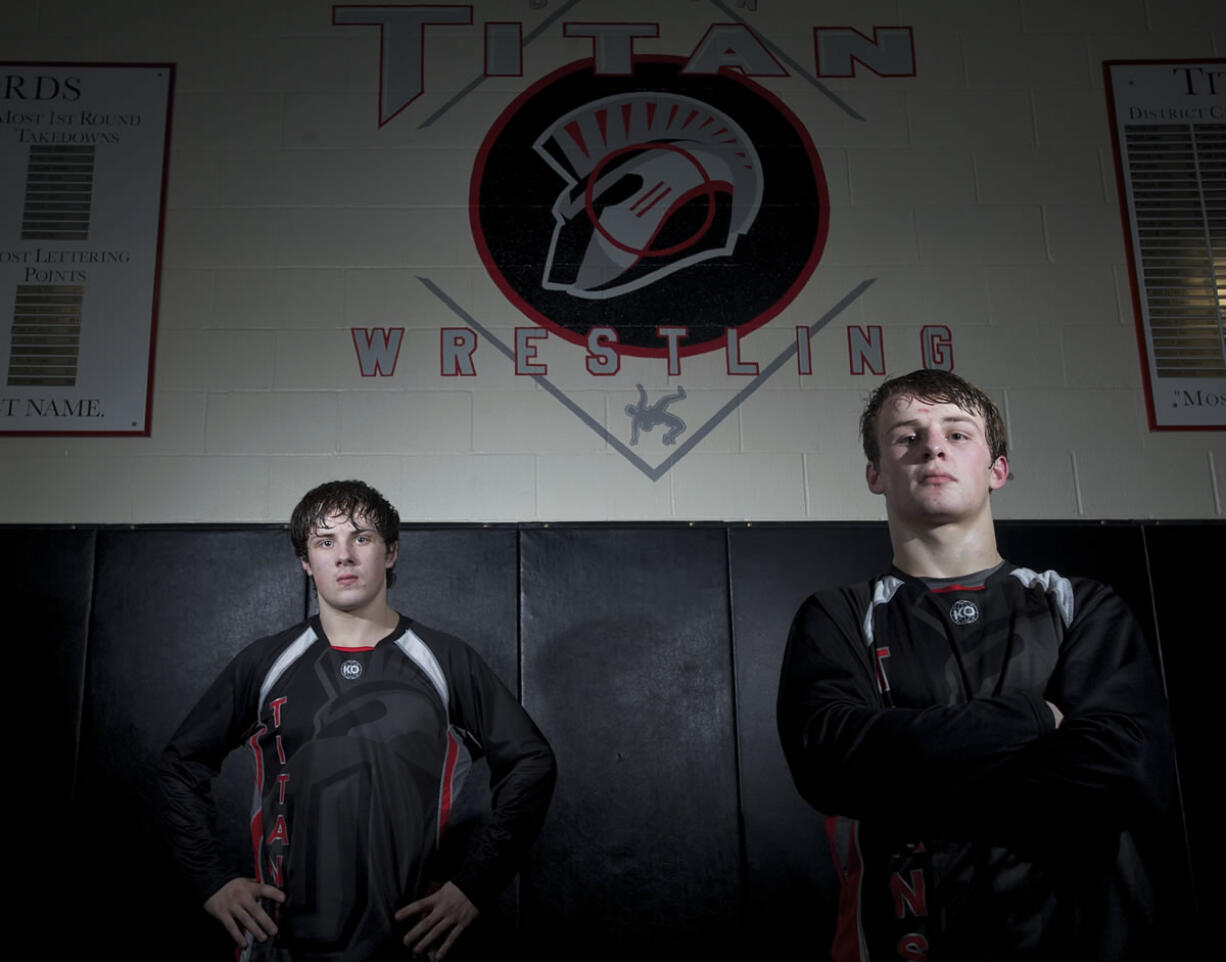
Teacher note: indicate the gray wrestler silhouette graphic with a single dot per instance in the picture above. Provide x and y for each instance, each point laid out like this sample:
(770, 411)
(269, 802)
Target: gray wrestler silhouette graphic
(644, 417)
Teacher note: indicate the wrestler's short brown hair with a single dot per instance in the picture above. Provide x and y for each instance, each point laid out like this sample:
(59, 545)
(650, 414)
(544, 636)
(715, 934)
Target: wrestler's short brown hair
(938, 387)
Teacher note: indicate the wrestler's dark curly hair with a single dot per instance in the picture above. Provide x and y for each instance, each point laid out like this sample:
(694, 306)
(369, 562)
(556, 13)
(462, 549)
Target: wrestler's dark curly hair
(351, 499)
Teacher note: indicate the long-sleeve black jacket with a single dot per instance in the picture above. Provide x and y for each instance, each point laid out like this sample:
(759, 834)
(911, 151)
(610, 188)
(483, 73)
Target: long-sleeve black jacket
(358, 755)
(915, 714)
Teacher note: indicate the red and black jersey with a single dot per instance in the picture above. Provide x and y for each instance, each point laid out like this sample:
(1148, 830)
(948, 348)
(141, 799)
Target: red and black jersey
(964, 824)
(357, 754)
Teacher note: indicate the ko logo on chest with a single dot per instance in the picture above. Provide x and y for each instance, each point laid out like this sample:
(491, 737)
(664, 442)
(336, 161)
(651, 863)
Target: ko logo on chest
(964, 612)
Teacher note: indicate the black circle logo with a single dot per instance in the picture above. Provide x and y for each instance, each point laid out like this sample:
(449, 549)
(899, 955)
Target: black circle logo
(651, 200)
(964, 612)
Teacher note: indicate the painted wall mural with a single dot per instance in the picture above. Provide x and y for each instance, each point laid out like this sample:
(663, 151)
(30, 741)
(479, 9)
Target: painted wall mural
(643, 208)
(624, 260)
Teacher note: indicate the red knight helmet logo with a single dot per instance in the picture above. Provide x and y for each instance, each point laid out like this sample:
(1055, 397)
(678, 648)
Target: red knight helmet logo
(655, 182)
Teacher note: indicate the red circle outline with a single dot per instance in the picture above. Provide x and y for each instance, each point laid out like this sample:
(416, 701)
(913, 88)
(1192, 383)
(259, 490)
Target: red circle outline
(575, 337)
(637, 252)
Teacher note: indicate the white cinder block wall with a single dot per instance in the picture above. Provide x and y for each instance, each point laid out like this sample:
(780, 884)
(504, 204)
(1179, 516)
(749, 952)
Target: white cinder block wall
(979, 194)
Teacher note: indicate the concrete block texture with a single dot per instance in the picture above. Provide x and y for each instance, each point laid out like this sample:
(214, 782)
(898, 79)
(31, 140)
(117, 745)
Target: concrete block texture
(322, 233)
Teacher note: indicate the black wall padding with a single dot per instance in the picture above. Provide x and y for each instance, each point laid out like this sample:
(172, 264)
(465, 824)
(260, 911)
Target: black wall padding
(465, 581)
(47, 578)
(1186, 569)
(628, 670)
(170, 610)
(648, 654)
(1111, 553)
(791, 883)
(48, 583)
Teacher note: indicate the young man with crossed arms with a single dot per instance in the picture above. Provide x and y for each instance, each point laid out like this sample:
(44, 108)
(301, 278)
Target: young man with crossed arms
(985, 740)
